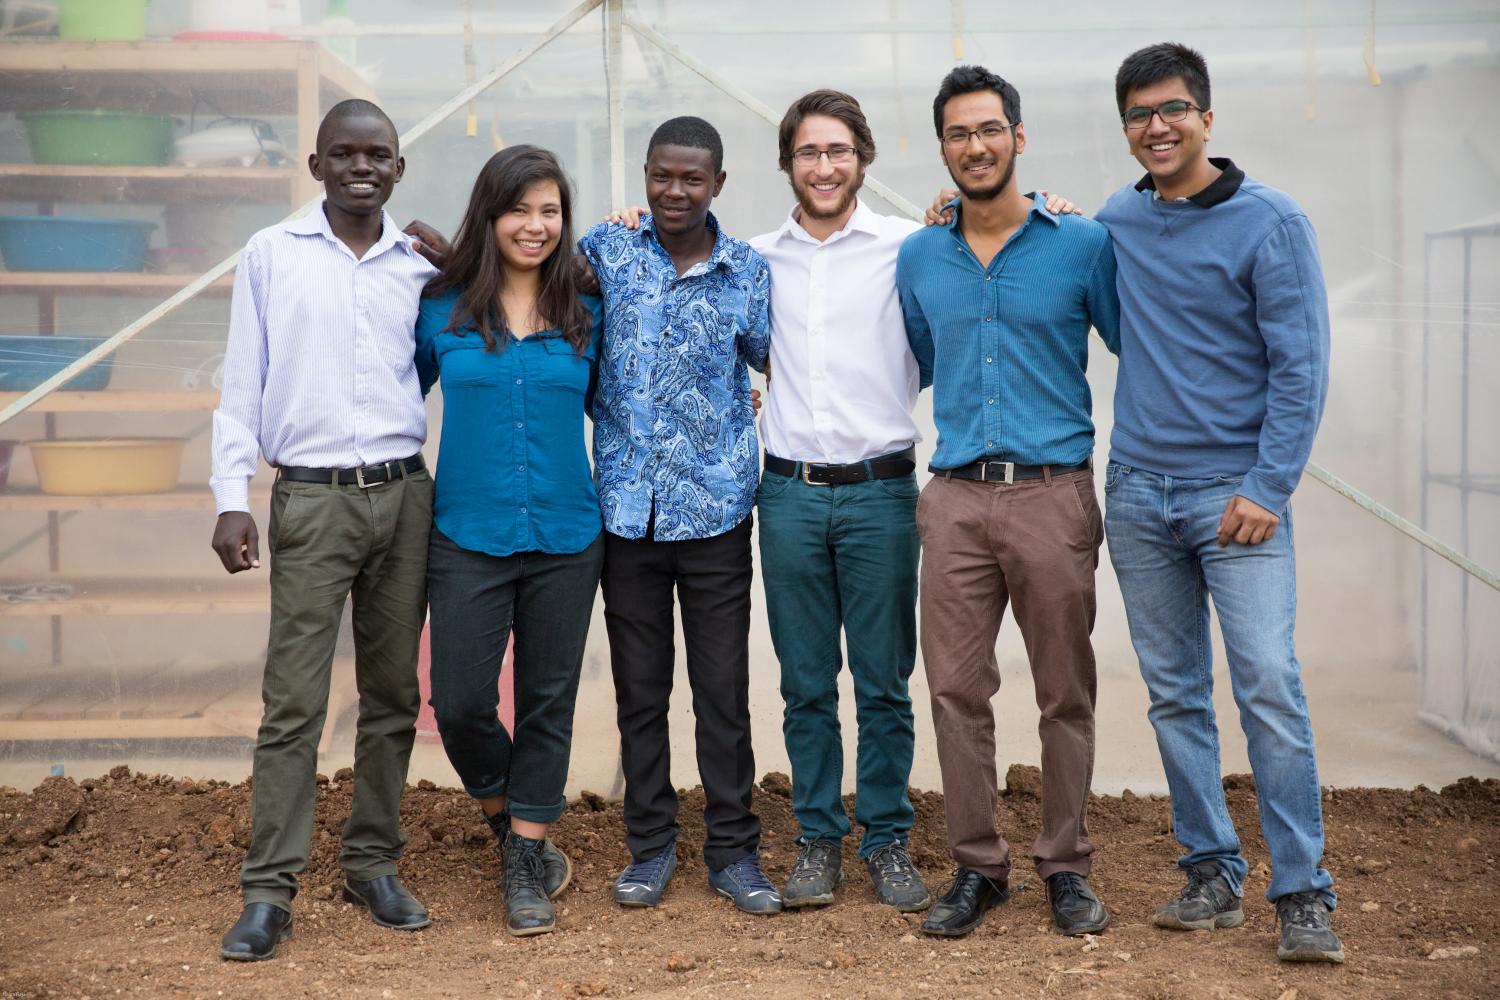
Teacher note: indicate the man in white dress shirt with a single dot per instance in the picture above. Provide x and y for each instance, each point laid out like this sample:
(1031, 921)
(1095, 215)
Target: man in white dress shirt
(838, 535)
(319, 378)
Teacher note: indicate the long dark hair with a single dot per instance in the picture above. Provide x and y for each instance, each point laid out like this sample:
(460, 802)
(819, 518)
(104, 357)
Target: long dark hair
(475, 269)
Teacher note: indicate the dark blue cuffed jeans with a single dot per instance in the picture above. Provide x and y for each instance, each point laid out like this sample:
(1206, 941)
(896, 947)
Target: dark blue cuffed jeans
(477, 600)
(844, 558)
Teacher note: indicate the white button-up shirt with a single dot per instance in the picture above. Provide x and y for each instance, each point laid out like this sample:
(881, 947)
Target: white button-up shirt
(843, 379)
(319, 369)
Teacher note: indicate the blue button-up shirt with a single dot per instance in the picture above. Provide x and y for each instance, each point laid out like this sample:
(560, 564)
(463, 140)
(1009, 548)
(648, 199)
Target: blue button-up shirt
(1005, 346)
(513, 467)
(673, 423)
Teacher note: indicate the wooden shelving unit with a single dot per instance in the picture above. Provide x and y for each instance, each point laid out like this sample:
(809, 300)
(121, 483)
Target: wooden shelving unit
(260, 79)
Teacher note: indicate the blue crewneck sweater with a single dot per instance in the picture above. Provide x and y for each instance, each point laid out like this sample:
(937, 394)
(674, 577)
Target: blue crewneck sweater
(1223, 334)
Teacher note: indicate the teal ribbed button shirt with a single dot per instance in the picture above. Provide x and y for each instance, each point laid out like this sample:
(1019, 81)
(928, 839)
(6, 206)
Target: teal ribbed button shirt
(1005, 347)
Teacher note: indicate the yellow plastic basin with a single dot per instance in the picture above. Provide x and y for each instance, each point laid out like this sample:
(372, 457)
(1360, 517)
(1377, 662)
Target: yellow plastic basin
(107, 466)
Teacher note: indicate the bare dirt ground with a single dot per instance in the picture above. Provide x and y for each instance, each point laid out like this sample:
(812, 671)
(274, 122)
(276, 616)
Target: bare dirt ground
(122, 885)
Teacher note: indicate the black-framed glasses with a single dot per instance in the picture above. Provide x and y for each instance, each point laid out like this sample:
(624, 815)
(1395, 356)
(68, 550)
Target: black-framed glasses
(988, 132)
(808, 155)
(1171, 111)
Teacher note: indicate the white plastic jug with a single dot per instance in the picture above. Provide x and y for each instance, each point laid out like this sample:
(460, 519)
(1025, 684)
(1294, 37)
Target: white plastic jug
(231, 15)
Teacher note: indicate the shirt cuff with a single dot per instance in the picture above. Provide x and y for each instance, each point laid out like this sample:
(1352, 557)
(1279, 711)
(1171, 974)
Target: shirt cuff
(232, 495)
(1263, 493)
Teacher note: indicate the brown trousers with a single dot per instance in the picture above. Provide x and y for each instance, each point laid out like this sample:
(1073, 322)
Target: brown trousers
(1035, 545)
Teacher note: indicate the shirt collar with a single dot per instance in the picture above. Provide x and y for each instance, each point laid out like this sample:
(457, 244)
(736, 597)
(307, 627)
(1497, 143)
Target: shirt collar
(1221, 190)
(715, 257)
(315, 223)
(1038, 208)
(863, 220)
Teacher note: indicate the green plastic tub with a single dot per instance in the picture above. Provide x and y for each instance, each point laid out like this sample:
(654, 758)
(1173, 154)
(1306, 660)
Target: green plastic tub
(113, 138)
(102, 20)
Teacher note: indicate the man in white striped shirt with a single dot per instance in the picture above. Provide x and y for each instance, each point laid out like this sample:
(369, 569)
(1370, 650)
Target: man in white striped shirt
(319, 378)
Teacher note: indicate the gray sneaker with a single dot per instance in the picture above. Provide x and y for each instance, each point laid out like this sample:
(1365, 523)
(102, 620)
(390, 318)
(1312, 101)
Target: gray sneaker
(818, 871)
(1306, 931)
(897, 881)
(1205, 902)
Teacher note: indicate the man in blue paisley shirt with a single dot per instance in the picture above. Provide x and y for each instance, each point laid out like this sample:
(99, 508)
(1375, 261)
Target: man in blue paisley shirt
(676, 457)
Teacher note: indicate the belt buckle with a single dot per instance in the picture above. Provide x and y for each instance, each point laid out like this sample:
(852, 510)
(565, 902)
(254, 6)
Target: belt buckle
(359, 476)
(1010, 472)
(806, 469)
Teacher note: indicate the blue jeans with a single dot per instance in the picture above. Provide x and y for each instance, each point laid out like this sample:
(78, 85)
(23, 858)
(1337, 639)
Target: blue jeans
(1163, 542)
(844, 559)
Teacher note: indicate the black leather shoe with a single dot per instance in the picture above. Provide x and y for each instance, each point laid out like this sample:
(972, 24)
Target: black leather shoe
(1075, 908)
(389, 903)
(254, 937)
(962, 907)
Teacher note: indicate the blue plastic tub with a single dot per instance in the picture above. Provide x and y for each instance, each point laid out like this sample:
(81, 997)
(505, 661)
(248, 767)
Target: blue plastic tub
(25, 362)
(73, 243)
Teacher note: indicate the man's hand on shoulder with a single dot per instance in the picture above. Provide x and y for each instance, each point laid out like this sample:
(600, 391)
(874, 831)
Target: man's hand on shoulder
(236, 541)
(1246, 523)
(428, 242)
(630, 217)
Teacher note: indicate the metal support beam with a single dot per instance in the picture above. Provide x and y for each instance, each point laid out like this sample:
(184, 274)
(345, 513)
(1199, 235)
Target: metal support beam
(614, 77)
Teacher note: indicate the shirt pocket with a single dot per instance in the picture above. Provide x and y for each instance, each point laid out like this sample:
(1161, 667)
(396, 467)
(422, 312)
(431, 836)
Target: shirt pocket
(556, 364)
(469, 364)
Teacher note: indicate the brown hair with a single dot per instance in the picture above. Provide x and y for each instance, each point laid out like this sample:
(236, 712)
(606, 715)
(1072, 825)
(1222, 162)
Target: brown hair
(834, 104)
(476, 270)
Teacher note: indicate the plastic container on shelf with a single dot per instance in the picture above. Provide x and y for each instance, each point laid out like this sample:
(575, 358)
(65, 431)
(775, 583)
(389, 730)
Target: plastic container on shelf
(26, 362)
(73, 243)
(107, 466)
(102, 20)
(230, 15)
(98, 138)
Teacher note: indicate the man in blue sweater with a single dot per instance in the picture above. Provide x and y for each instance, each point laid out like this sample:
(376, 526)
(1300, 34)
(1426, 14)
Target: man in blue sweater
(1223, 375)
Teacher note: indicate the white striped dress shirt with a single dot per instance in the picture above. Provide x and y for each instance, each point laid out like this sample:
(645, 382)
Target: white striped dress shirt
(319, 369)
(843, 378)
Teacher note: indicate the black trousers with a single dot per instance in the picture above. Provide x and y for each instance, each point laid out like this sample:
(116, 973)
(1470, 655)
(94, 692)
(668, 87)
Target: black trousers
(712, 579)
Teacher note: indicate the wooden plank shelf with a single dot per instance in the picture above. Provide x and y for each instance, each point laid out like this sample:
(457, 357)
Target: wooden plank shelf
(77, 183)
(120, 401)
(165, 77)
(86, 283)
(247, 593)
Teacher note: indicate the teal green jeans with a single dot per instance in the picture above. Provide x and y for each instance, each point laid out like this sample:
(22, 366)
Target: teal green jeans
(844, 559)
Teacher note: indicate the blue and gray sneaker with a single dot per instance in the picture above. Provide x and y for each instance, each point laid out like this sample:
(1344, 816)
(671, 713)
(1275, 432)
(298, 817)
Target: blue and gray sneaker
(744, 883)
(643, 883)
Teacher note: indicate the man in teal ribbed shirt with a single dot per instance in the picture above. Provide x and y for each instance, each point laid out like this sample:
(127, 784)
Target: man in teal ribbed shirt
(1223, 375)
(998, 305)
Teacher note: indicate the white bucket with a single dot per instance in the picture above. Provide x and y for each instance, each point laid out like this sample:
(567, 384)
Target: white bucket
(230, 15)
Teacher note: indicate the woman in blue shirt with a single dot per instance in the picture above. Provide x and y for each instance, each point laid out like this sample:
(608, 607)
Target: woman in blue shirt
(516, 543)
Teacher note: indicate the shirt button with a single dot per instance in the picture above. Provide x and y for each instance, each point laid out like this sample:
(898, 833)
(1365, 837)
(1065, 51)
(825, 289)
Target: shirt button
(519, 381)
(990, 401)
(989, 319)
(989, 277)
(521, 468)
(523, 510)
(987, 444)
(519, 425)
(989, 361)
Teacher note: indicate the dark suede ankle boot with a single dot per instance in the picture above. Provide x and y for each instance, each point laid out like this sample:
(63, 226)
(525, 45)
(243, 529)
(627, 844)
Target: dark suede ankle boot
(527, 908)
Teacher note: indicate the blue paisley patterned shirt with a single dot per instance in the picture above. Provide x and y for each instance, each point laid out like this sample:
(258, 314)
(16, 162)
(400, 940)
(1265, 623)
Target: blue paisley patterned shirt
(673, 422)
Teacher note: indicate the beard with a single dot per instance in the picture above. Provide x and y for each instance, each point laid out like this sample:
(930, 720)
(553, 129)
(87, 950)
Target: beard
(813, 210)
(990, 192)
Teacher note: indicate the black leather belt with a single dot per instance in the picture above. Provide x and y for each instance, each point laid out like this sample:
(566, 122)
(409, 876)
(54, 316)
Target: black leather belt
(893, 466)
(370, 475)
(1006, 472)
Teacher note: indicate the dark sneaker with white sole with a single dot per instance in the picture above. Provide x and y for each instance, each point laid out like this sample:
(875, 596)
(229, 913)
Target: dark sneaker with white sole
(1306, 930)
(643, 882)
(1206, 901)
(818, 871)
(1075, 908)
(897, 881)
(744, 883)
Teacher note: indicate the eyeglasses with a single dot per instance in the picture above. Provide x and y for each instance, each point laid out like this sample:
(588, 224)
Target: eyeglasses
(1171, 111)
(988, 132)
(808, 155)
